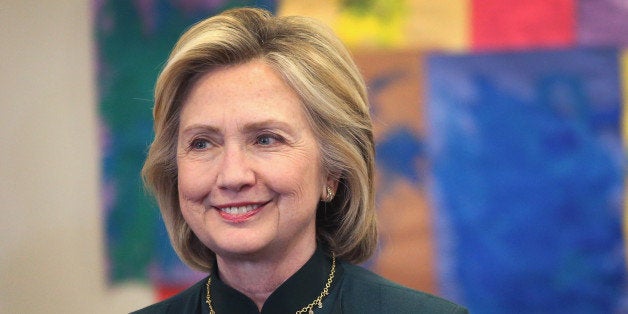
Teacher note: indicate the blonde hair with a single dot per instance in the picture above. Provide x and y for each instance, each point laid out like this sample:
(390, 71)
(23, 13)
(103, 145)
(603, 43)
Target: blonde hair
(319, 68)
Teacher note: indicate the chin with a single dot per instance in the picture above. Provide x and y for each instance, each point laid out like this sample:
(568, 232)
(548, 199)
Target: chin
(239, 248)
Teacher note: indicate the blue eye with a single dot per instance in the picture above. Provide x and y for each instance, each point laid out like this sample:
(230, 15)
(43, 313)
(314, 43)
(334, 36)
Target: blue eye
(267, 139)
(199, 144)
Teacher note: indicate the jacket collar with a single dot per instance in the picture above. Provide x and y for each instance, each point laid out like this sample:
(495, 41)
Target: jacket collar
(296, 292)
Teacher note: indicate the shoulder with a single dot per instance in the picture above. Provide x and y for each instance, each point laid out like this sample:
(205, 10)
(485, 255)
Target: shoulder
(385, 296)
(185, 302)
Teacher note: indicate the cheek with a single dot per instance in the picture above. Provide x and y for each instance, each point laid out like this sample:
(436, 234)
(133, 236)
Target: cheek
(194, 181)
(300, 178)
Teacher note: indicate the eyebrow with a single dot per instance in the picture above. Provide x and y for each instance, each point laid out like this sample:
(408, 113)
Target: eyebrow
(247, 128)
(266, 124)
(200, 127)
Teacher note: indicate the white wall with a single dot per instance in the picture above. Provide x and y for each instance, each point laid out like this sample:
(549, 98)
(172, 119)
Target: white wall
(51, 249)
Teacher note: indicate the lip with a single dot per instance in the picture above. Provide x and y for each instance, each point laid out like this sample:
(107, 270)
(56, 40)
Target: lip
(240, 217)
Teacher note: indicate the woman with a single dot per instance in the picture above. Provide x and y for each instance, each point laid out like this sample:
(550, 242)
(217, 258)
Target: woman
(262, 165)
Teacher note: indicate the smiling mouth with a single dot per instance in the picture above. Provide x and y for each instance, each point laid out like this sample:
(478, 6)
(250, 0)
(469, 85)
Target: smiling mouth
(239, 210)
(238, 214)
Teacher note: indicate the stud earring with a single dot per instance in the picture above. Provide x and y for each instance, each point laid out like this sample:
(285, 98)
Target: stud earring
(330, 195)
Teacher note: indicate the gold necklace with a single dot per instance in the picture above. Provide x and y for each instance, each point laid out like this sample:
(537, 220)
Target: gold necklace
(306, 309)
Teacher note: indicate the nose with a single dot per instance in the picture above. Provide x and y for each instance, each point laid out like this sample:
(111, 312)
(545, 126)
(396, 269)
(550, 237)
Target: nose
(234, 172)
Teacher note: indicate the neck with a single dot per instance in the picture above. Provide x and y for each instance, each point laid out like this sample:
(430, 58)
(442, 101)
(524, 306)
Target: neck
(258, 277)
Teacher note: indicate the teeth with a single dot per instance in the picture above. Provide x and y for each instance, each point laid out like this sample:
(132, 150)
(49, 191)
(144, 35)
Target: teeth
(239, 210)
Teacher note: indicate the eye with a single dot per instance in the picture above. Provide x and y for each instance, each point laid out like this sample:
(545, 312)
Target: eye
(199, 144)
(267, 139)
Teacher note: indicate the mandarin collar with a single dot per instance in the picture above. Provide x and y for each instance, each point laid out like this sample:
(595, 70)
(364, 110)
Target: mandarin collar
(295, 293)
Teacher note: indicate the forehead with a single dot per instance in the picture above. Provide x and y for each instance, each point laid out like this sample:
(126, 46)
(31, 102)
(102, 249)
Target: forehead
(253, 90)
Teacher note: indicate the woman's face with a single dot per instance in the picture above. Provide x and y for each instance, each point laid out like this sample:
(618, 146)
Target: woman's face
(249, 169)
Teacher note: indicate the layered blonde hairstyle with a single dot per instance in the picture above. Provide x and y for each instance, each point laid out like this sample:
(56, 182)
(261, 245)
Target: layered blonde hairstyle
(319, 68)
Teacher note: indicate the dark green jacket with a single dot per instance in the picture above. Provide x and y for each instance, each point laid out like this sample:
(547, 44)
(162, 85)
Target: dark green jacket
(354, 290)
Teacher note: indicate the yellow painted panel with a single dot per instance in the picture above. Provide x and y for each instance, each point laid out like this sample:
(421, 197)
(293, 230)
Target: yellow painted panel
(441, 24)
(323, 10)
(423, 24)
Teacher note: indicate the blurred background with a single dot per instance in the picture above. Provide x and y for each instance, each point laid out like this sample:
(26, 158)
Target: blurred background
(500, 157)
